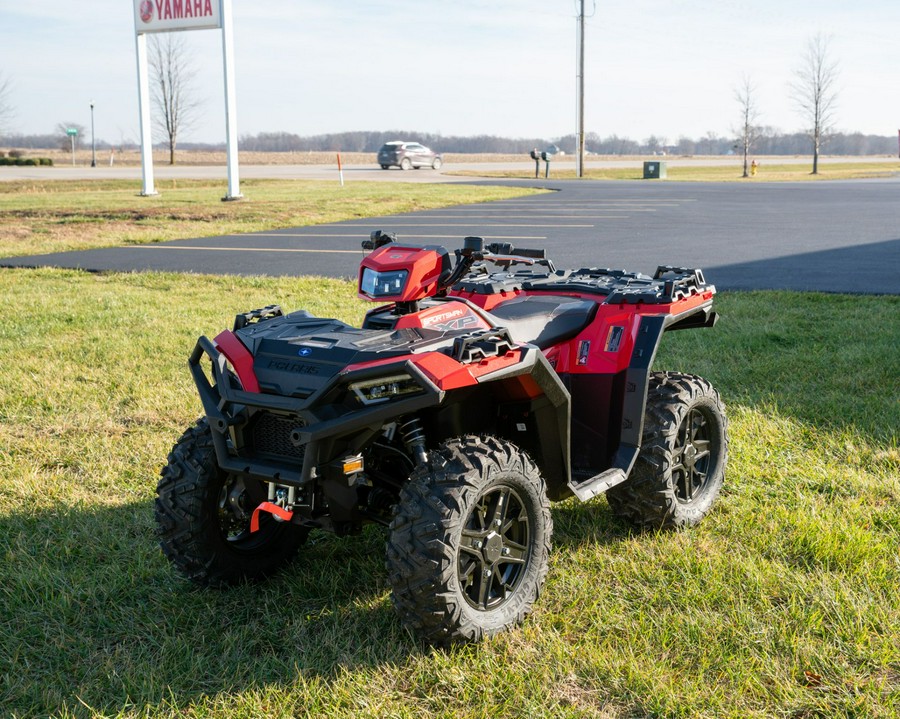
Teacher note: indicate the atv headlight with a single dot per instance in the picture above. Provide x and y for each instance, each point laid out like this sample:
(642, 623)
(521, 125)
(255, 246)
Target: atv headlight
(372, 391)
(383, 284)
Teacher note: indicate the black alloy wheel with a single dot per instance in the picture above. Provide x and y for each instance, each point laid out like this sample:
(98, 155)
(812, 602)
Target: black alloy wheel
(684, 451)
(495, 548)
(470, 541)
(692, 455)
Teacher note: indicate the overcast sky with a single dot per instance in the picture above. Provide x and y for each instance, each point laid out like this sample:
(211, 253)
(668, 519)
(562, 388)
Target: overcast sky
(503, 67)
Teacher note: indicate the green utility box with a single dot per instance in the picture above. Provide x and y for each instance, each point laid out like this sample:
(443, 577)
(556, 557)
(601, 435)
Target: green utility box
(654, 170)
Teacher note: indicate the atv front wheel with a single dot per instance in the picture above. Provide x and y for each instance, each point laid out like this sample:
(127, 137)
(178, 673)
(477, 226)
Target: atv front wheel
(470, 541)
(203, 518)
(684, 450)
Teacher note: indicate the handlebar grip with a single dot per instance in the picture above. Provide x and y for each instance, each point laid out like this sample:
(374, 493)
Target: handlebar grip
(534, 254)
(506, 248)
(500, 248)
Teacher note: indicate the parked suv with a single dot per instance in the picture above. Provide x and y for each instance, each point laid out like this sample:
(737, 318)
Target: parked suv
(408, 154)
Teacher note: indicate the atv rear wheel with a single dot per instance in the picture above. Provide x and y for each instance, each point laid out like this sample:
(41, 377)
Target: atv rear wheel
(470, 541)
(684, 450)
(203, 518)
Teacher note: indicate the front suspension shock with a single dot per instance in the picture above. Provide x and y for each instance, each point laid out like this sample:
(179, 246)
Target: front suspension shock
(413, 435)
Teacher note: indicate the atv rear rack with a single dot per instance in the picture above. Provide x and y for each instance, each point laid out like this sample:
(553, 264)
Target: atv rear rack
(668, 284)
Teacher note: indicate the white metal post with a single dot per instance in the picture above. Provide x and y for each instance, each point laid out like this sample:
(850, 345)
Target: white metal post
(144, 111)
(579, 138)
(234, 182)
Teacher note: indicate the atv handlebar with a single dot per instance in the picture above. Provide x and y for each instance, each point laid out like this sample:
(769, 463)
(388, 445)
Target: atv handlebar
(378, 239)
(472, 247)
(507, 250)
(474, 250)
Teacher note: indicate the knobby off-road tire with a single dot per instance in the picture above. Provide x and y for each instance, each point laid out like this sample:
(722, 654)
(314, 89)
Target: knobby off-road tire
(470, 541)
(203, 518)
(681, 466)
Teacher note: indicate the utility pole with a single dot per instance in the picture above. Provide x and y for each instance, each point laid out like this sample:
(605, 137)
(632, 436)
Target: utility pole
(579, 137)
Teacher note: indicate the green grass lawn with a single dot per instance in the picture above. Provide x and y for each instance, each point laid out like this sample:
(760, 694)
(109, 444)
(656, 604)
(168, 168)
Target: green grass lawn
(782, 603)
(56, 216)
(768, 172)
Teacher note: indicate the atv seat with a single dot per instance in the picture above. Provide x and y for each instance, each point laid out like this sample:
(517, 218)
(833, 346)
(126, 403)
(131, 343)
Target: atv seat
(543, 320)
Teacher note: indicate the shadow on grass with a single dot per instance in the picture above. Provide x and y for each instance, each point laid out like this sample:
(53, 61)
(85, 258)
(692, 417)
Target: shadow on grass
(93, 615)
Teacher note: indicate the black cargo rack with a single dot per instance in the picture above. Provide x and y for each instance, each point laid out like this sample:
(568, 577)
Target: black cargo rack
(668, 284)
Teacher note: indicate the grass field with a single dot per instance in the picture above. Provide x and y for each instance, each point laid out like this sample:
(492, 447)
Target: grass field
(783, 603)
(768, 172)
(56, 216)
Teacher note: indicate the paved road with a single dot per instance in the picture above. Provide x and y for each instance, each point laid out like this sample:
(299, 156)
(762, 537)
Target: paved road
(828, 236)
(371, 172)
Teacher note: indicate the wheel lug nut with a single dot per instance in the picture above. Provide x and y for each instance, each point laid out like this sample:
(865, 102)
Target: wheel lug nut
(477, 544)
(505, 551)
(487, 573)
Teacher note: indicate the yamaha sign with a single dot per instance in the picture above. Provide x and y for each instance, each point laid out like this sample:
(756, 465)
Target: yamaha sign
(152, 16)
(166, 15)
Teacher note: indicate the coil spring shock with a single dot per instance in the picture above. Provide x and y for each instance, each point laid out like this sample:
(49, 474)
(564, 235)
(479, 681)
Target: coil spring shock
(413, 435)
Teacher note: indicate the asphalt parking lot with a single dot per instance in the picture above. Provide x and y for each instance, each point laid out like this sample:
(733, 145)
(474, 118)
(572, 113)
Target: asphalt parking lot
(823, 236)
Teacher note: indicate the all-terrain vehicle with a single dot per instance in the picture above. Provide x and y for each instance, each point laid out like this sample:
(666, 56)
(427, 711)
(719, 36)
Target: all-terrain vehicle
(481, 390)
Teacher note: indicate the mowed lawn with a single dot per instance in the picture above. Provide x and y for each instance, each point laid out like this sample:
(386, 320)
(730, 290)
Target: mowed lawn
(769, 170)
(38, 217)
(783, 603)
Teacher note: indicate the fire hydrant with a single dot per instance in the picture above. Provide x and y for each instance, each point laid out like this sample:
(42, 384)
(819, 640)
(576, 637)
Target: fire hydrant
(754, 166)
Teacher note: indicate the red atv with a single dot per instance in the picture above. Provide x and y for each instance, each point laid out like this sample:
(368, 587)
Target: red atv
(482, 390)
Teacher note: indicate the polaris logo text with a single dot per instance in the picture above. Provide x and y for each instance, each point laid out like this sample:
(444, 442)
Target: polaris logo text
(295, 367)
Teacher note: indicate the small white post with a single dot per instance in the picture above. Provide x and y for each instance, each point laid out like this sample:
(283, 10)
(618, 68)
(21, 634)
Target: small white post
(340, 169)
(144, 110)
(234, 181)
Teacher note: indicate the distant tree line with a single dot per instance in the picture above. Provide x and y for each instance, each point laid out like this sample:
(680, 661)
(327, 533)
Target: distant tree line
(370, 141)
(767, 141)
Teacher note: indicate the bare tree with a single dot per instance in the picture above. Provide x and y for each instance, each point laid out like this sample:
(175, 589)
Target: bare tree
(6, 108)
(745, 94)
(171, 88)
(815, 93)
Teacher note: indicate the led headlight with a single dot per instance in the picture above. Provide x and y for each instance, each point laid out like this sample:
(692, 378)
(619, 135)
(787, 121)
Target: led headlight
(372, 391)
(383, 284)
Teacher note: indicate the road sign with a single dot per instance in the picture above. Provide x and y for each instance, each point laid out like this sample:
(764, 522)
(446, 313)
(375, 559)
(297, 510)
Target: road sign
(71, 131)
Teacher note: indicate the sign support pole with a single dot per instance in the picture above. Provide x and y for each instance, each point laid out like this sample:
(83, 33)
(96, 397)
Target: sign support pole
(144, 110)
(201, 15)
(579, 103)
(234, 182)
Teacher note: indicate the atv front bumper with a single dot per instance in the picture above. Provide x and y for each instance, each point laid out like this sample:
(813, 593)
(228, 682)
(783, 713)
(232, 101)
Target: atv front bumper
(316, 430)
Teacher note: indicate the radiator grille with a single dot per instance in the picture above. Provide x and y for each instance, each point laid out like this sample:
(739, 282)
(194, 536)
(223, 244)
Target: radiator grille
(272, 435)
